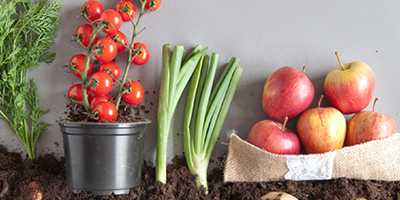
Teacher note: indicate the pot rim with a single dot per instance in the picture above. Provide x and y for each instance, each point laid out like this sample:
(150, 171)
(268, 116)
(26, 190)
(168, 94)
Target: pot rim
(66, 123)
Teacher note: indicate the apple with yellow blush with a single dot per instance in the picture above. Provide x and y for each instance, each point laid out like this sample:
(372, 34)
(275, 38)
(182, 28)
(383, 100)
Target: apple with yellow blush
(321, 129)
(366, 126)
(350, 86)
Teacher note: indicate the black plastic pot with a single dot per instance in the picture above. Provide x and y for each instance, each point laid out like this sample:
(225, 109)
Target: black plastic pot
(103, 158)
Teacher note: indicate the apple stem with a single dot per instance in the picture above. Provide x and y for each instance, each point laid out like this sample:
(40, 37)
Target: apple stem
(304, 69)
(320, 99)
(285, 120)
(340, 62)
(373, 108)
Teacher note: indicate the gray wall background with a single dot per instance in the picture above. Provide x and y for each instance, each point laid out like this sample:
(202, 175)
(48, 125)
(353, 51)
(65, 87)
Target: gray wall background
(264, 34)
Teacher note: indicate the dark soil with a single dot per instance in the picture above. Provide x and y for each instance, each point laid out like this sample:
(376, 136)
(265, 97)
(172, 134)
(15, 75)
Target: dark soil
(44, 178)
(126, 113)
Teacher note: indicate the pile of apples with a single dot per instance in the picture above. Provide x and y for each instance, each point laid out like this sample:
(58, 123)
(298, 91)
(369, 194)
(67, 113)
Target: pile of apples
(288, 93)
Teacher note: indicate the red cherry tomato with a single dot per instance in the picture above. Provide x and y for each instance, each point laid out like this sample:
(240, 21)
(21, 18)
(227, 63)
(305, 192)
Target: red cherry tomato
(114, 18)
(78, 61)
(92, 9)
(143, 57)
(152, 3)
(104, 83)
(98, 99)
(83, 33)
(130, 12)
(122, 38)
(75, 93)
(108, 52)
(113, 67)
(136, 94)
(106, 111)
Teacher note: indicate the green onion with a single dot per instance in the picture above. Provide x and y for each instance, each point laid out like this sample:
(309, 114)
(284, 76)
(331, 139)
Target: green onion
(175, 74)
(206, 110)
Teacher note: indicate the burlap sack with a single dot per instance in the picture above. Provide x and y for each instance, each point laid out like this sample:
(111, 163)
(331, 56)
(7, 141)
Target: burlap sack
(375, 160)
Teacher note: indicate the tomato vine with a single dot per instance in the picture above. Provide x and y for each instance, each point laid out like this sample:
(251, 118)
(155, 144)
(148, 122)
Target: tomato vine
(105, 49)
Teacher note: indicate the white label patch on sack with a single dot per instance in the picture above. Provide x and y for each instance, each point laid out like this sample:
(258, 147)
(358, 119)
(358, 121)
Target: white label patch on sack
(310, 167)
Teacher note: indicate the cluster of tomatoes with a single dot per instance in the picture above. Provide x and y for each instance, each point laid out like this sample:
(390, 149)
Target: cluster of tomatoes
(97, 86)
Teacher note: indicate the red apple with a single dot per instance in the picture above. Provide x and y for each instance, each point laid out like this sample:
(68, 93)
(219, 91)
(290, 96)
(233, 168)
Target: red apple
(350, 87)
(321, 129)
(366, 126)
(287, 92)
(274, 137)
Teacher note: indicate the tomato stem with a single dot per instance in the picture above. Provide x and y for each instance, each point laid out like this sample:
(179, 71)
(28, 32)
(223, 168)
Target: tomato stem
(124, 8)
(85, 101)
(116, 39)
(112, 76)
(79, 39)
(130, 50)
(85, 14)
(89, 51)
(95, 115)
(74, 101)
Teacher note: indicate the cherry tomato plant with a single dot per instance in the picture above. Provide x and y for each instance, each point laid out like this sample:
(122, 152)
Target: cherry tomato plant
(102, 40)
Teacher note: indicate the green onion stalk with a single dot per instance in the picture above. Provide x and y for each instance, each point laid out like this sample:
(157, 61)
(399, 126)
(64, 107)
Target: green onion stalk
(206, 109)
(177, 69)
